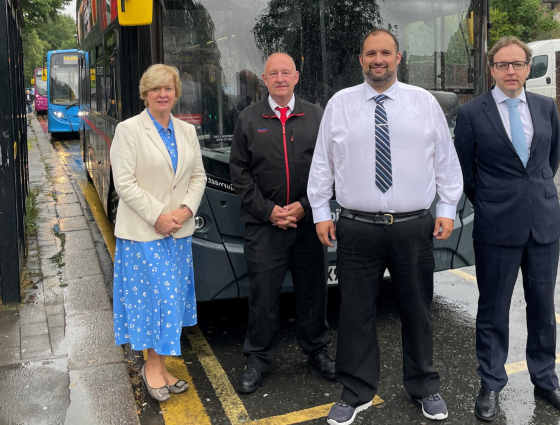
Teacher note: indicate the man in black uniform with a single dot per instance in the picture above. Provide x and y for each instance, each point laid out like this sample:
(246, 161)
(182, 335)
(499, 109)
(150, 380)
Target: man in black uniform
(271, 154)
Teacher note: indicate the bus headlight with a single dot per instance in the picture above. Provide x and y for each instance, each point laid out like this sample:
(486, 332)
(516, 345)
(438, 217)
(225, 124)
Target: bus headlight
(59, 114)
(199, 222)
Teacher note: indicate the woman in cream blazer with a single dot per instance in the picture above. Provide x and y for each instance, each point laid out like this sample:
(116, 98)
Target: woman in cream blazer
(160, 180)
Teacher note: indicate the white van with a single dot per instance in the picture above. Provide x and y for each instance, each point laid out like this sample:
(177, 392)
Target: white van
(542, 78)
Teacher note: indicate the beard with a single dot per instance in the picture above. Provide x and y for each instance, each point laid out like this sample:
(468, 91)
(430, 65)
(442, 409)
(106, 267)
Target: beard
(381, 80)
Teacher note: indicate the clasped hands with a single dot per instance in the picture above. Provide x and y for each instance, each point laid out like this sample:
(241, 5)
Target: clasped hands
(168, 224)
(287, 216)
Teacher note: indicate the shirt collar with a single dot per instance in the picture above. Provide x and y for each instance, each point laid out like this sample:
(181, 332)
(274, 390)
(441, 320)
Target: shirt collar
(500, 96)
(158, 126)
(391, 92)
(273, 103)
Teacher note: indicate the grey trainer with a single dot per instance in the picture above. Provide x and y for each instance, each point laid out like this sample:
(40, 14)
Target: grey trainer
(433, 407)
(342, 414)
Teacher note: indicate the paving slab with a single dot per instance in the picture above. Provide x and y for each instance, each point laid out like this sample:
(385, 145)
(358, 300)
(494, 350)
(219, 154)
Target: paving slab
(67, 199)
(81, 264)
(86, 295)
(73, 223)
(30, 402)
(110, 403)
(69, 210)
(34, 329)
(32, 313)
(8, 356)
(35, 343)
(9, 340)
(79, 240)
(88, 341)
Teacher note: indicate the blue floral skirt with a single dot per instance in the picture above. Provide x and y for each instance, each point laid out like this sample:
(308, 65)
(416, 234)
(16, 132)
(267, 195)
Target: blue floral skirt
(153, 293)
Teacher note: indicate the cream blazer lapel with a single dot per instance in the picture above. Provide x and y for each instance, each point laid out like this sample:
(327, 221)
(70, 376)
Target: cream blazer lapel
(155, 137)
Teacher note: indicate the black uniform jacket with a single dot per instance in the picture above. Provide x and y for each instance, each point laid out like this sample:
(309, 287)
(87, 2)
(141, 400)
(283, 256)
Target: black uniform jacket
(510, 201)
(269, 164)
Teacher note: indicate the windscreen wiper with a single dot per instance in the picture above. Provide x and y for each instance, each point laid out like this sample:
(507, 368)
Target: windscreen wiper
(73, 104)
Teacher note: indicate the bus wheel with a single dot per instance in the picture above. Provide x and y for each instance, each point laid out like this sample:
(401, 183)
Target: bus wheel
(113, 205)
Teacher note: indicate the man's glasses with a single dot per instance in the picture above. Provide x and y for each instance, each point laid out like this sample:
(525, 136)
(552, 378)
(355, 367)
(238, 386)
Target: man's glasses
(503, 66)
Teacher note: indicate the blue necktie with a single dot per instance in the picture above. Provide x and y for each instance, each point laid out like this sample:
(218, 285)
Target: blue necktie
(517, 133)
(383, 170)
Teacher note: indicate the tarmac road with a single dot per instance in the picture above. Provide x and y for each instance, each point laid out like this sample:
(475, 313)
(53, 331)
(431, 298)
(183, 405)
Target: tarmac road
(292, 393)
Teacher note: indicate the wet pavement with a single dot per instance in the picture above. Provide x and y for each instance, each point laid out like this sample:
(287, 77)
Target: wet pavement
(292, 393)
(58, 361)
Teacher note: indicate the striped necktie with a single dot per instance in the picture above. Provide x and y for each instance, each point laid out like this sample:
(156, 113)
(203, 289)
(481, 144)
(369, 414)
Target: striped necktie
(383, 169)
(517, 133)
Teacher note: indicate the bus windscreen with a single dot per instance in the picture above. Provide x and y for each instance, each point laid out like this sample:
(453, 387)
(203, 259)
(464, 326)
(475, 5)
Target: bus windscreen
(40, 85)
(64, 79)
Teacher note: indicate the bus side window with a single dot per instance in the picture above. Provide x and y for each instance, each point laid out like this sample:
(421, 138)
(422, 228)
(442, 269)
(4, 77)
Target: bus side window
(92, 81)
(111, 107)
(100, 80)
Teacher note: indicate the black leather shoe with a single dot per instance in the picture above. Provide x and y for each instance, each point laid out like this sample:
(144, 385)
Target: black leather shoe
(487, 405)
(551, 397)
(249, 380)
(324, 363)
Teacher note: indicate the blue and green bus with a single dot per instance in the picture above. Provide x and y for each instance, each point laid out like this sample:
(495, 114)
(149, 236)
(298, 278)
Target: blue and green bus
(62, 91)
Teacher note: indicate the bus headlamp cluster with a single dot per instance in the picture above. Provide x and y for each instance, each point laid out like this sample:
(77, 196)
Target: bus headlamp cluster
(59, 114)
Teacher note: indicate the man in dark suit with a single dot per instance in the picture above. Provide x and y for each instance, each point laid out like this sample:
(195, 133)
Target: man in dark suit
(507, 141)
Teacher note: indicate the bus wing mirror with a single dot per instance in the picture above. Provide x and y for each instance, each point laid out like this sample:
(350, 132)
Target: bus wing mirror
(135, 12)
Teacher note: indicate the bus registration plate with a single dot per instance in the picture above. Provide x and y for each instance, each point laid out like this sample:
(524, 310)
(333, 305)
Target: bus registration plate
(332, 278)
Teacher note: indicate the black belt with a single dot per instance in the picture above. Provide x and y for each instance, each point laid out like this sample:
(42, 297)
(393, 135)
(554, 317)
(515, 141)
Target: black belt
(382, 218)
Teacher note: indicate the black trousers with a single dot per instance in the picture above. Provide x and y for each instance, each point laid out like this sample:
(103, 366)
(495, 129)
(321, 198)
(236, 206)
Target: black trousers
(364, 251)
(496, 272)
(270, 253)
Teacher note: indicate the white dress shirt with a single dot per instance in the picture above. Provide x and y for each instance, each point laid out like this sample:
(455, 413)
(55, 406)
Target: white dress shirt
(274, 105)
(500, 97)
(423, 157)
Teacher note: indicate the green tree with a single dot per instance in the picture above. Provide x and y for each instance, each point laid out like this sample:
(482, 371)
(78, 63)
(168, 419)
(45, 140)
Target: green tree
(527, 20)
(41, 36)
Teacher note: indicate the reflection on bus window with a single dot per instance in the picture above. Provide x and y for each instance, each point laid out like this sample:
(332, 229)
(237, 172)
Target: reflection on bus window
(64, 79)
(220, 50)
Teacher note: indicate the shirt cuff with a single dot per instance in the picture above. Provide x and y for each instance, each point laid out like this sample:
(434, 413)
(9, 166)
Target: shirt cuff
(446, 210)
(321, 214)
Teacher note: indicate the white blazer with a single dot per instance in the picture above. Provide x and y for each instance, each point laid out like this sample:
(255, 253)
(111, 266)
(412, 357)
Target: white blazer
(144, 178)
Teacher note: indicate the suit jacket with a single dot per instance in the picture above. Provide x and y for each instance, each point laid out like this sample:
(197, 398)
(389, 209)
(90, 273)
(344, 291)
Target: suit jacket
(510, 201)
(145, 181)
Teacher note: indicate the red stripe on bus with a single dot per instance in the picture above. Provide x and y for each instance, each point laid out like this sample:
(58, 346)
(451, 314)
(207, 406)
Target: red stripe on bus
(94, 128)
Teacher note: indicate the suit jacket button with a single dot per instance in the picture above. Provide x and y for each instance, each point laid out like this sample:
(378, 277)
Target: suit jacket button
(525, 177)
(530, 199)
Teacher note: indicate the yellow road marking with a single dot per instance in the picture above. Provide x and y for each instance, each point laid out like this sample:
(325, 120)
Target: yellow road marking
(186, 408)
(231, 403)
(463, 274)
(304, 415)
(105, 227)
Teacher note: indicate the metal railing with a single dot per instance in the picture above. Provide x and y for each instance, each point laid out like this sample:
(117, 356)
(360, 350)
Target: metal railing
(14, 167)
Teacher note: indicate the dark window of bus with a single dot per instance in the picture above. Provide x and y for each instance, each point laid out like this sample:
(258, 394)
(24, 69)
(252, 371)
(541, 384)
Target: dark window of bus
(92, 80)
(100, 80)
(539, 67)
(40, 85)
(64, 79)
(220, 50)
(110, 74)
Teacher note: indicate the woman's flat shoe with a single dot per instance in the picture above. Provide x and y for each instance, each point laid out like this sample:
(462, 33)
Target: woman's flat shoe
(160, 394)
(178, 387)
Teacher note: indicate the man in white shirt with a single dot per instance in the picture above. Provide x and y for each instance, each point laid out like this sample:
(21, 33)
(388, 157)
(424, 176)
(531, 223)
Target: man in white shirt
(508, 145)
(386, 147)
